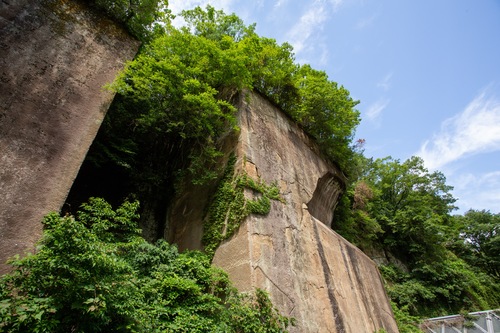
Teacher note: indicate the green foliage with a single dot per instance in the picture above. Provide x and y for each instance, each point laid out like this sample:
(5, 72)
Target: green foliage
(257, 315)
(468, 320)
(94, 273)
(326, 111)
(141, 17)
(405, 207)
(402, 206)
(354, 210)
(226, 211)
(77, 280)
(229, 206)
(406, 322)
(457, 286)
(175, 99)
(402, 209)
(170, 98)
(440, 288)
(175, 80)
(478, 239)
(215, 24)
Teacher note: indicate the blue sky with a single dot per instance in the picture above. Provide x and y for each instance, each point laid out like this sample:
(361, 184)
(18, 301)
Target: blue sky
(427, 74)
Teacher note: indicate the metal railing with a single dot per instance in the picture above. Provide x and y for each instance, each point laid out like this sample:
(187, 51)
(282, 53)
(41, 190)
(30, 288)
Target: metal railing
(475, 322)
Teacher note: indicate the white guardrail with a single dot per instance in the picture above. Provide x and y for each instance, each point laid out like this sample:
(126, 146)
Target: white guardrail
(475, 322)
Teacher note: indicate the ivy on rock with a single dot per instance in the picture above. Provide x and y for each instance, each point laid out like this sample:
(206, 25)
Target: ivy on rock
(230, 206)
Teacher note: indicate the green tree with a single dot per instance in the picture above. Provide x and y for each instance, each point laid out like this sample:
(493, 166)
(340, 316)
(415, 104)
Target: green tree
(172, 96)
(94, 273)
(403, 210)
(140, 17)
(478, 239)
(326, 111)
(175, 103)
(182, 83)
(77, 281)
(266, 66)
(401, 206)
(215, 24)
(411, 205)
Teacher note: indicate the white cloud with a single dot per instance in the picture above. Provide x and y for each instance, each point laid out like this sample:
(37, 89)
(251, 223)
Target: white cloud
(311, 22)
(475, 130)
(477, 191)
(374, 110)
(335, 4)
(385, 83)
(366, 22)
(325, 54)
(280, 3)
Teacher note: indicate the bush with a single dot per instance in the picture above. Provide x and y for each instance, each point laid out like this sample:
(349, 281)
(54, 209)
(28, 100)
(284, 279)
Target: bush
(94, 273)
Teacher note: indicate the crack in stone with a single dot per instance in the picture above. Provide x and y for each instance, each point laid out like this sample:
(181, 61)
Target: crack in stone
(274, 284)
(337, 315)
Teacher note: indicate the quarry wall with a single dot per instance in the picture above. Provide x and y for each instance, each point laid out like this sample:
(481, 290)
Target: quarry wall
(310, 272)
(55, 58)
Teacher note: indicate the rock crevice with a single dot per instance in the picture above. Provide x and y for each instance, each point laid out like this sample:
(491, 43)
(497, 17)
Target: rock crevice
(325, 198)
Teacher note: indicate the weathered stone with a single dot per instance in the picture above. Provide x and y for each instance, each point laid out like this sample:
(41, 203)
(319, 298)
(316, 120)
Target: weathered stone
(55, 58)
(185, 215)
(311, 272)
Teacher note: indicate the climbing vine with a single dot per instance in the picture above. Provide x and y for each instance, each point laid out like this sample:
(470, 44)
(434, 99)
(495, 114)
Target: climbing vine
(229, 206)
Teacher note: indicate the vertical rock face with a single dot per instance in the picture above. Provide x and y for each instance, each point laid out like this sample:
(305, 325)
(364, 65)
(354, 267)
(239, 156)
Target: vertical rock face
(311, 272)
(55, 57)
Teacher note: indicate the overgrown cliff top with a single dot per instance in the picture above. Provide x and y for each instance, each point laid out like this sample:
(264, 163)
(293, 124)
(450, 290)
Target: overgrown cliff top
(179, 88)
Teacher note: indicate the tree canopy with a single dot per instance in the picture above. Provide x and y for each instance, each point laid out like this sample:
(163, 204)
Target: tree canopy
(478, 239)
(181, 85)
(175, 103)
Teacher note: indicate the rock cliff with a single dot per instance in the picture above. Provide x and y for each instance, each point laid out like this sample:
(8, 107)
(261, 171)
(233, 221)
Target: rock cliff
(55, 57)
(311, 273)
